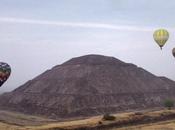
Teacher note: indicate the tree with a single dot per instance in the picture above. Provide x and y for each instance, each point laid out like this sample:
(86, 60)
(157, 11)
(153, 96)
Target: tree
(169, 103)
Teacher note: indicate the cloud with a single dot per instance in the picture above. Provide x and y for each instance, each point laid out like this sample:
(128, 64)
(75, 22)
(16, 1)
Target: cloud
(76, 24)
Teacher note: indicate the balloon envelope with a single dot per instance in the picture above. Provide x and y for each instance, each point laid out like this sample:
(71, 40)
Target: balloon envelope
(5, 72)
(173, 51)
(161, 36)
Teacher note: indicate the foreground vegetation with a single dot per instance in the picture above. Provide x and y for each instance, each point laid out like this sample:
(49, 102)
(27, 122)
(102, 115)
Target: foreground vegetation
(156, 120)
(165, 125)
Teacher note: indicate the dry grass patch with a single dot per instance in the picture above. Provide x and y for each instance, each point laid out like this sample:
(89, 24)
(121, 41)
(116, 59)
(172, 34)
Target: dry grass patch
(123, 121)
(22, 119)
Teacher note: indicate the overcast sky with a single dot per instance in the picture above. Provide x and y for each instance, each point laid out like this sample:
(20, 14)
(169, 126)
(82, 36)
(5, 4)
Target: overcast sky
(36, 35)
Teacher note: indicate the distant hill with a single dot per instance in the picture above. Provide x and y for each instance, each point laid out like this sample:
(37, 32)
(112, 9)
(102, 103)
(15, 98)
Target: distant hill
(89, 85)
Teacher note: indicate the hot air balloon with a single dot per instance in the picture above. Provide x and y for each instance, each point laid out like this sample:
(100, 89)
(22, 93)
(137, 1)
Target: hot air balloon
(173, 51)
(5, 71)
(161, 36)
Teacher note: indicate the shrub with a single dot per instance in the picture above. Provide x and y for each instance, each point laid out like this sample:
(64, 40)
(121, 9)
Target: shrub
(169, 103)
(100, 122)
(108, 117)
(138, 113)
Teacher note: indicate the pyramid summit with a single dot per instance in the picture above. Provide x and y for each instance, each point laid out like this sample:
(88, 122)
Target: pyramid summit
(87, 86)
(93, 60)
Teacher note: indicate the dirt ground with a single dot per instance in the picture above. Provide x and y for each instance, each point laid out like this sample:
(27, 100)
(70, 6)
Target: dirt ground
(156, 120)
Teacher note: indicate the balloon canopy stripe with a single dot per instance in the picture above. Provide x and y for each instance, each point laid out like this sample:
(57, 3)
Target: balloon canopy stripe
(5, 71)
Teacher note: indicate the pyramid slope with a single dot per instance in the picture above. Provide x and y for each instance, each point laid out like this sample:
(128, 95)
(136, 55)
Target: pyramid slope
(89, 85)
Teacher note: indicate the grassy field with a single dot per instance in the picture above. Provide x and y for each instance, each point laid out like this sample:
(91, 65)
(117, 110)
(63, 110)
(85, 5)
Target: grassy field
(165, 125)
(156, 120)
(4, 126)
(17, 121)
(22, 120)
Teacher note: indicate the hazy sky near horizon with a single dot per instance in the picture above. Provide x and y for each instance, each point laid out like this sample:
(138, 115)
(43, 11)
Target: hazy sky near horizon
(36, 35)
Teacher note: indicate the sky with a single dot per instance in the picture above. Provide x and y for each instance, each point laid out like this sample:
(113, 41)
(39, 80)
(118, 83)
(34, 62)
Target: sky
(36, 35)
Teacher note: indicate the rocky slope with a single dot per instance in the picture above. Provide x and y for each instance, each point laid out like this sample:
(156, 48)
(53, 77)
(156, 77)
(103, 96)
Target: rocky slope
(89, 85)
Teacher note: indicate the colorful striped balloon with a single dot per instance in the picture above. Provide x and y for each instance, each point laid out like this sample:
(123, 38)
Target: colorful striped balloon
(161, 36)
(5, 71)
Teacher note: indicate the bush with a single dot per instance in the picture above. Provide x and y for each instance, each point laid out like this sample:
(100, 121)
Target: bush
(138, 113)
(169, 104)
(108, 117)
(100, 122)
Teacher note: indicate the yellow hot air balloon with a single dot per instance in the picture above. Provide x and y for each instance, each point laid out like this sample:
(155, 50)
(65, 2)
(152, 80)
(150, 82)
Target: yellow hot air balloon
(173, 51)
(161, 36)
